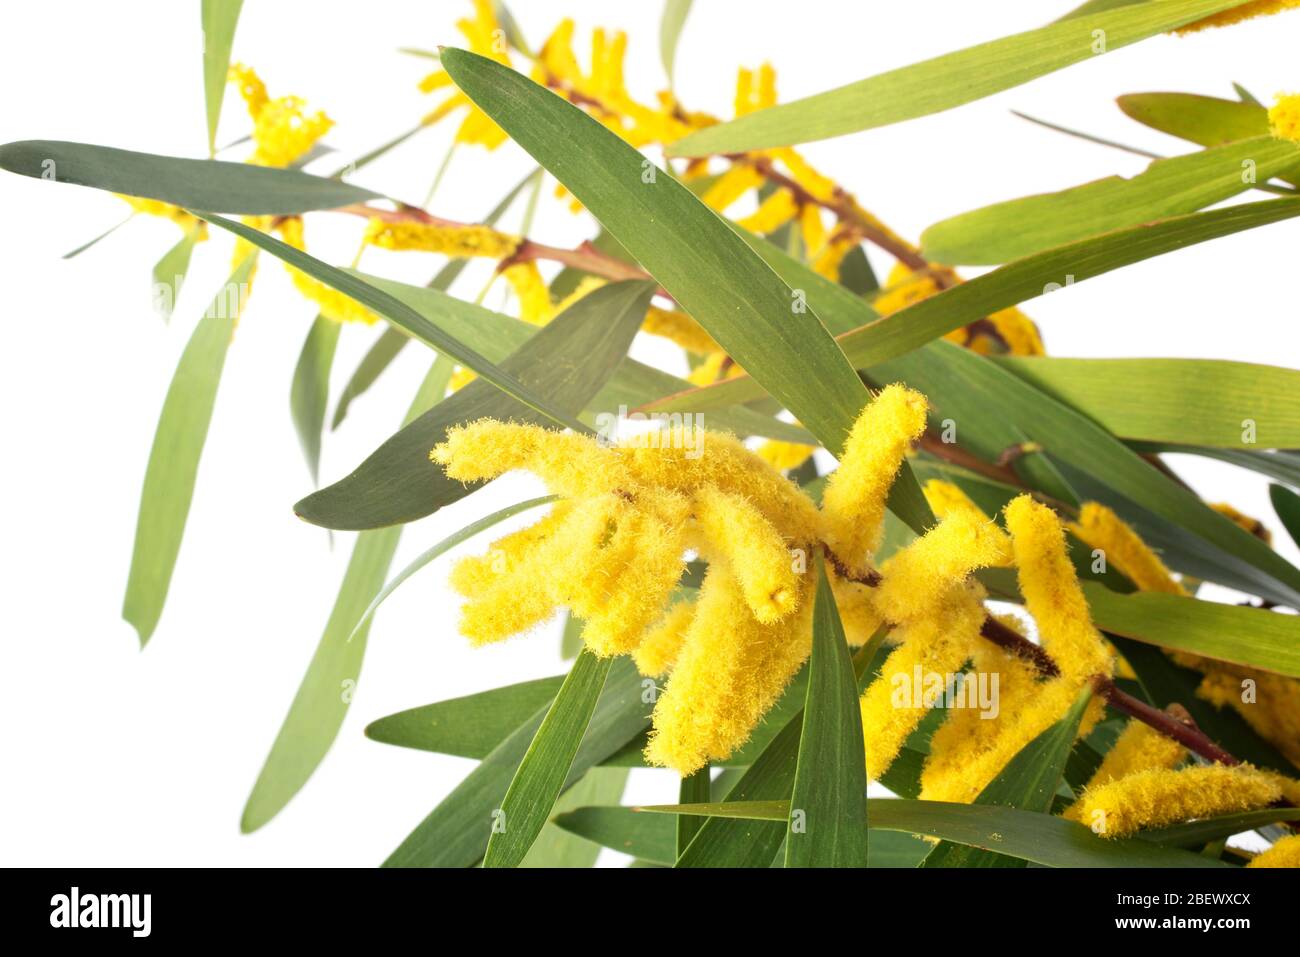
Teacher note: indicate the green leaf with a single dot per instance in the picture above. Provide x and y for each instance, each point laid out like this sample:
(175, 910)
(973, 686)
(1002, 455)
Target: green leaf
(868, 339)
(1235, 633)
(391, 340)
(651, 837)
(542, 773)
(1037, 838)
(322, 699)
(199, 184)
(174, 457)
(444, 546)
(556, 847)
(670, 31)
(829, 804)
(219, 20)
(720, 283)
(1205, 120)
(1282, 466)
(169, 273)
(567, 360)
(946, 81)
(1191, 401)
(309, 391)
(469, 726)
(73, 253)
(1168, 187)
(456, 832)
(571, 637)
(401, 315)
(1287, 505)
(1197, 833)
(694, 787)
(1029, 782)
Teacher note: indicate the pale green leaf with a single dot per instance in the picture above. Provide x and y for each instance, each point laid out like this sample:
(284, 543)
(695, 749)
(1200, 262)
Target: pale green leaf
(219, 20)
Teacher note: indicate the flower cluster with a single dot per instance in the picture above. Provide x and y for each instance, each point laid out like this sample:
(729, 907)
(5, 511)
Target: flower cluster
(1246, 11)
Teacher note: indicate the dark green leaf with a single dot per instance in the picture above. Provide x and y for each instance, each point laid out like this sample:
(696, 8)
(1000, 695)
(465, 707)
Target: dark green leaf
(651, 837)
(546, 765)
(199, 184)
(829, 803)
(556, 847)
(567, 360)
(1287, 505)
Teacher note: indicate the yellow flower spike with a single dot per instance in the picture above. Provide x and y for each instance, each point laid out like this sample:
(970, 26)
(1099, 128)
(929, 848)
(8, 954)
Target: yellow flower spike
(916, 578)
(947, 498)
(1285, 853)
(1139, 748)
(661, 645)
(820, 187)
(557, 53)
(447, 240)
(435, 81)
(730, 672)
(854, 501)
(1099, 527)
(1284, 117)
(721, 460)
(1271, 708)
(773, 213)
(251, 87)
(783, 456)
(744, 98)
(571, 465)
(155, 207)
(766, 94)
(1052, 593)
(708, 371)
(680, 328)
(812, 228)
(827, 262)
(474, 574)
(1244, 521)
(1019, 332)
(1161, 797)
(332, 304)
(754, 551)
(732, 185)
(530, 592)
(932, 649)
(1246, 11)
(904, 288)
(640, 581)
(535, 304)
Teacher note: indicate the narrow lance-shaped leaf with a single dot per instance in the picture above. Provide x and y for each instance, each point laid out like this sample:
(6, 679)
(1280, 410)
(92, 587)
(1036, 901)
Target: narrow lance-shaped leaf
(219, 20)
(326, 691)
(199, 184)
(699, 261)
(174, 457)
(1168, 187)
(309, 390)
(828, 810)
(567, 360)
(947, 81)
(1029, 782)
(557, 847)
(169, 274)
(1205, 120)
(1287, 505)
(542, 773)
(456, 832)
(1210, 402)
(400, 315)
(670, 31)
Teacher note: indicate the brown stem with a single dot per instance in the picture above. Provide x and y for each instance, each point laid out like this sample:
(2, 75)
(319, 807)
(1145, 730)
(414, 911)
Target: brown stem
(1187, 734)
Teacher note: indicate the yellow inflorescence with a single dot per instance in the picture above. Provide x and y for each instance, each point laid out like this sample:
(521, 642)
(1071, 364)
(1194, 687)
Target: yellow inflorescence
(1284, 117)
(1101, 528)
(333, 304)
(438, 238)
(1139, 748)
(535, 304)
(855, 495)
(1246, 11)
(1270, 703)
(1160, 797)
(1245, 522)
(282, 129)
(1285, 853)
(783, 456)
(680, 328)
(486, 38)
(155, 207)
(732, 185)
(773, 213)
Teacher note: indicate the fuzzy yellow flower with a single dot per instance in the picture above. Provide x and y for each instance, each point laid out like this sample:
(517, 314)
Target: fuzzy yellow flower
(1284, 117)
(1101, 528)
(1285, 853)
(485, 37)
(1160, 797)
(439, 238)
(1139, 748)
(1246, 11)
(283, 131)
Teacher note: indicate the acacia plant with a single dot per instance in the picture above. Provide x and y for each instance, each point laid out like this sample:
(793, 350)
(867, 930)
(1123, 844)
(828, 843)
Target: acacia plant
(793, 601)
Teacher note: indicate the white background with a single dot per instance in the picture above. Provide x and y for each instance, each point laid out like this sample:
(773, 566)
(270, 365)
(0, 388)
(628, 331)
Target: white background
(113, 756)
